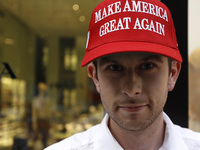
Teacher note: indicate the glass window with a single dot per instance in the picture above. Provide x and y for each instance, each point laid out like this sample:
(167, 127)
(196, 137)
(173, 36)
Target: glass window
(52, 97)
(194, 65)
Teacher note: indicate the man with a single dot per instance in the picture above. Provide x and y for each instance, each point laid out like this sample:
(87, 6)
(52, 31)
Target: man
(133, 59)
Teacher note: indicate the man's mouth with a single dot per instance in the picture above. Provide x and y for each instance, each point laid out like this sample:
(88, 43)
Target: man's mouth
(132, 108)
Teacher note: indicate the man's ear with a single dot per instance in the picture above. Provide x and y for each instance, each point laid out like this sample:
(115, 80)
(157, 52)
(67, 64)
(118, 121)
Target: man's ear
(175, 70)
(93, 74)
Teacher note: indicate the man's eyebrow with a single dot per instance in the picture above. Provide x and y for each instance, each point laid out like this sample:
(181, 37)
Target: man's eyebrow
(108, 59)
(105, 60)
(154, 57)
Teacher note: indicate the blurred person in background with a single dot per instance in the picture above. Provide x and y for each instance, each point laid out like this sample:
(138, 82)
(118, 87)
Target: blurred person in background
(41, 108)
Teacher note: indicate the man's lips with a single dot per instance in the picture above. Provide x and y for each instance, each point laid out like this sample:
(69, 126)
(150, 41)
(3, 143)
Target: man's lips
(132, 108)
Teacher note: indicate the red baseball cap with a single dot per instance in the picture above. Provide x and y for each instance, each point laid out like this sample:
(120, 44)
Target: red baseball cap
(118, 26)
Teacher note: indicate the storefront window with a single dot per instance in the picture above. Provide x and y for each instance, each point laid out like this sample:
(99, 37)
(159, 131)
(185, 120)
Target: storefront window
(52, 96)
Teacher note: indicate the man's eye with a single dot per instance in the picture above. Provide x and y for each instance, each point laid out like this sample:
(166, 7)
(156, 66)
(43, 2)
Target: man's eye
(115, 68)
(147, 66)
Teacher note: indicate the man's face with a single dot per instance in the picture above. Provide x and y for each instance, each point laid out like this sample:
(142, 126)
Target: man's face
(134, 87)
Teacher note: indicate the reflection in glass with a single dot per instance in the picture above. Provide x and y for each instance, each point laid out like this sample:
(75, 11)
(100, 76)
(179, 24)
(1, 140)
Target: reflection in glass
(194, 90)
(44, 42)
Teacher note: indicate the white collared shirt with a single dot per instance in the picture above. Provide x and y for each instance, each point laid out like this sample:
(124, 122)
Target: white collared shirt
(99, 137)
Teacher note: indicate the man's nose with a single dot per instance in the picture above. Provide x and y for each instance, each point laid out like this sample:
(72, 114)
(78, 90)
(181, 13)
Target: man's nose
(132, 84)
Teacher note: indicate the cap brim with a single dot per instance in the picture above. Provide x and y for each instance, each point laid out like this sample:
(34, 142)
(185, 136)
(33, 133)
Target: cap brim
(121, 47)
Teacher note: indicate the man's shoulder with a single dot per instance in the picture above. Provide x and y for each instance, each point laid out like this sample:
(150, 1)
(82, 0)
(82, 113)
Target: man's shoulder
(83, 140)
(190, 137)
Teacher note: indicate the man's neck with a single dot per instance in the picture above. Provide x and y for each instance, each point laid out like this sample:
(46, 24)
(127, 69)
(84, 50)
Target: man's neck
(151, 138)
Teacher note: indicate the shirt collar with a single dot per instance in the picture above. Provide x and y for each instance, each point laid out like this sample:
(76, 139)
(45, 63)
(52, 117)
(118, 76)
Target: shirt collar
(103, 138)
(173, 139)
